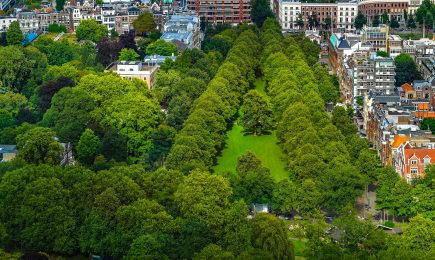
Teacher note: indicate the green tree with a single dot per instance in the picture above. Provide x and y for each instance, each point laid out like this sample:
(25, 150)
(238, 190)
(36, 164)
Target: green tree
(284, 198)
(39, 145)
(161, 47)
(88, 147)
(260, 11)
(300, 21)
(360, 21)
(382, 54)
(406, 69)
(90, 30)
(213, 251)
(128, 55)
(385, 19)
(270, 234)
(425, 15)
(15, 68)
(411, 22)
(376, 21)
(394, 23)
(14, 35)
(257, 113)
(60, 4)
(56, 28)
(113, 33)
(144, 24)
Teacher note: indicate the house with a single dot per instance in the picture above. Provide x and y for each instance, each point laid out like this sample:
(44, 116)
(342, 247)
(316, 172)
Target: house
(184, 29)
(5, 22)
(7, 152)
(134, 70)
(411, 162)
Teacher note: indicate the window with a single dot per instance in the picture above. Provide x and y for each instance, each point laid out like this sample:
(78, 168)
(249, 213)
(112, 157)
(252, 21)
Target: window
(426, 161)
(414, 162)
(414, 170)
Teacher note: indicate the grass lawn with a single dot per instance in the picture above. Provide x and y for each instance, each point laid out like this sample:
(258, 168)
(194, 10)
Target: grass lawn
(265, 147)
(300, 246)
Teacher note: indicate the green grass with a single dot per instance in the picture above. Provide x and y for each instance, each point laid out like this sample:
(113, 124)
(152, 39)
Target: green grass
(300, 246)
(264, 146)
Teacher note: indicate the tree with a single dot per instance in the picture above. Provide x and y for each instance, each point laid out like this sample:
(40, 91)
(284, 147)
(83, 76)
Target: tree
(113, 33)
(376, 21)
(284, 198)
(49, 89)
(257, 113)
(300, 21)
(313, 21)
(108, 51)
(161, 47)
(144, 24)
(260, 11)
(411, 22)
(88, 147)
(382, 54)
(385, 19)
(237, 231)
(406, 69)
(56, 28)
(425, 15)
(405, 15)
(15, 68)
(59, 5)
(90, 30)
(270, 234)
(39, 145)
(360, 21)
(213, 251)
(14, 35)
(428, 124)
(394, 23)
(128, 55)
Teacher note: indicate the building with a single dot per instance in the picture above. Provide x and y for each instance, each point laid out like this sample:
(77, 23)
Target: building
(340, 16)
(124, 21)
(7, 152)
(5, 21)
(47, 16)
(411, 162)
(376, 36)
(394, 45)
(183, 29)
(372, 8)
(28, 20)
(373, 73)
(221, 11)
(134, 70)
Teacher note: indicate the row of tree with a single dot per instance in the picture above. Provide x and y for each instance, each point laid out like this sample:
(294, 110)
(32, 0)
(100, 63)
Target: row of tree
(203, 132)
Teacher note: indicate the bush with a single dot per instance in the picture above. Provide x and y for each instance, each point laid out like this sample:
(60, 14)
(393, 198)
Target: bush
(389, 223)
(56, 28)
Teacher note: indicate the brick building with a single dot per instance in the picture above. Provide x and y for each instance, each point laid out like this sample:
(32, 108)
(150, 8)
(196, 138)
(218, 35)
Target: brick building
(221, 11)
(394, 9)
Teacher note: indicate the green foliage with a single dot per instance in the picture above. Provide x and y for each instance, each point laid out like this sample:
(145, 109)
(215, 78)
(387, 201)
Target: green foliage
(360, 21)
(406, 69)
(56, 28)
(161, 47)
(256, 113)
(60, 5)
(39, 145)
(14, 35)
(260, 11)
(376, 21)
(90, 30)
(270, 234)
(88, 147)
(128, 55)
(382, 54)
(144, 24)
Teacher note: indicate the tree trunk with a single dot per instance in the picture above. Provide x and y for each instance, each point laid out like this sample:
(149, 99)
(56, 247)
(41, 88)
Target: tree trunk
(424, 28)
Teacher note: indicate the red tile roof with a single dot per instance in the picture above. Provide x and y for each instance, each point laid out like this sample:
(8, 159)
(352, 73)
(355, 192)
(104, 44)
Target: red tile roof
(420, 153)
(407, 87)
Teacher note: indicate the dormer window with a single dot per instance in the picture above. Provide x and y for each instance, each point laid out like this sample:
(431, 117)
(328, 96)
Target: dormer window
(414, 162)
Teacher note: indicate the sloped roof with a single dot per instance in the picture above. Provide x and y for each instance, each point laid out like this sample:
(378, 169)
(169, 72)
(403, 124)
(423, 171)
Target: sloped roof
(420, 153)
(407, 87)
(398, 140)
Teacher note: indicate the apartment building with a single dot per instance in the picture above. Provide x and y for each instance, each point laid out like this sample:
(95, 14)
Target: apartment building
(372, 73)
(340, 16)
(183, 29)
(394, 8)
(46, 16)
(221, 11)
(124, 20)
(376, 36)
(5, 21)
(134, 70)
(28, 20)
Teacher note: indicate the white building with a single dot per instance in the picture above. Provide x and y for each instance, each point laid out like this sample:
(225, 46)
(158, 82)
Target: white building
(288, 14)
(5, 21)
(28, 21)
(134, 70)
(346, 14)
